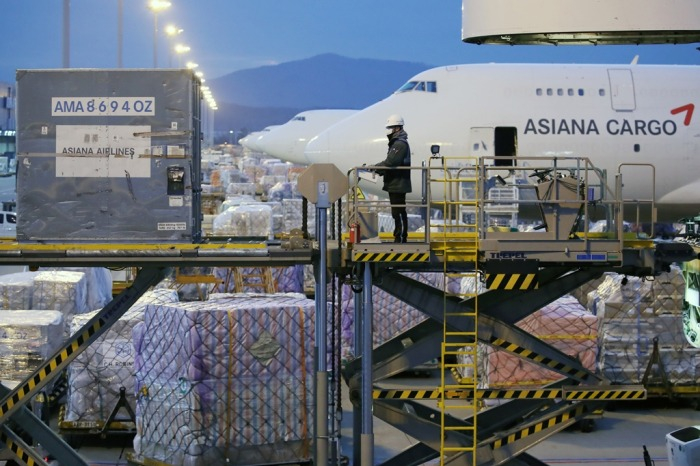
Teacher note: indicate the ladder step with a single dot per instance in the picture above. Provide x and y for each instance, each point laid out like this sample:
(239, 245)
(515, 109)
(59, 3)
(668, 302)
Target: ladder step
(461, 350)
(461, 314)
(462, 429)
(460, 334)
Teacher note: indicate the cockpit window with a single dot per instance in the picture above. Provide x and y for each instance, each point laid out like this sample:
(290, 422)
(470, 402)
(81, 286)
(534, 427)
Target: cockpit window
(299, 118)
(423, 86)
(408, 86)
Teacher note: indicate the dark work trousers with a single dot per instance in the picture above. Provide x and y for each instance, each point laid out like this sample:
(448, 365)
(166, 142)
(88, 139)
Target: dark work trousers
(398, 213)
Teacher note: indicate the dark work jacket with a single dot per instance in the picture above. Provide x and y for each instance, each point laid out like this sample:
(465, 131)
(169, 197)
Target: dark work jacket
(399, 155)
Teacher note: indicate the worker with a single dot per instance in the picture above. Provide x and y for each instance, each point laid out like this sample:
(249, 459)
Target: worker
(397, 181)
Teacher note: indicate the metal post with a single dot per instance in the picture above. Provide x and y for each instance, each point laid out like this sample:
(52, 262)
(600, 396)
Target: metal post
(155, 39)
(356, 410)
(424, 200)
(367, 438)
(120, 33)
(321, 425)
(66, 33)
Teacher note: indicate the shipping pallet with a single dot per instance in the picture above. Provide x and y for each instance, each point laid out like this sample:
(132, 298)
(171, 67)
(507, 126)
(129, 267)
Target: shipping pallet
(657, 383)
(75, 431)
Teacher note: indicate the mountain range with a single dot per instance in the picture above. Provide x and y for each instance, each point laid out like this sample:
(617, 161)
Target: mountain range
(251, 99)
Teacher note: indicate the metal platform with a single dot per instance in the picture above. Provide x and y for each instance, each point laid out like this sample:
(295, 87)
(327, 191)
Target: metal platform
(232, 254)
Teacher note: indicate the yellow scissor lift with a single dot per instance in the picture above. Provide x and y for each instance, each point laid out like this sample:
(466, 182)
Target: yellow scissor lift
(523, 271)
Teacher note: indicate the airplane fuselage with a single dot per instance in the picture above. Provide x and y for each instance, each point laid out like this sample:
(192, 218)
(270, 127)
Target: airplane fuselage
(611, 114)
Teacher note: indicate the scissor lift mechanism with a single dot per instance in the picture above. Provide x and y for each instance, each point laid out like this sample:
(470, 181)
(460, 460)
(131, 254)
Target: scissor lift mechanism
(525, 271)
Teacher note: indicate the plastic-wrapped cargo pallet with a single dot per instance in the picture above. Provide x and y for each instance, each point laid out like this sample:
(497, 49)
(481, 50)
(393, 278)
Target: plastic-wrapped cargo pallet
(564, 324)
(16, 290)
(245, 221)
(226, 380)
(631, 315)
(293, 215)
(27, 339)
(98, 284)
(61, 291)
(96, 375)
(391, 315)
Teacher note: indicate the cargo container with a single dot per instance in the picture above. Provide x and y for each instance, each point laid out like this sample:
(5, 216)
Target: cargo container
(108, 155)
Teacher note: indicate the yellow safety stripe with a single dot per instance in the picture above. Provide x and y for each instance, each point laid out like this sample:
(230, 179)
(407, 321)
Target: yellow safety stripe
(512, 281)
(14, 246)
(17, 450)
(538, 427)
(391, 256)
(560, 367)
(138, 459)
(572, 394)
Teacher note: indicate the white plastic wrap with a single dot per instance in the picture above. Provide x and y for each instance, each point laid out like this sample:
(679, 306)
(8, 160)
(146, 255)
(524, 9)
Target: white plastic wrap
(16, 290)
(293, 214)
(631, 316)
(98, 284)
(27, 339)
(241, 189)
(61, 291)
(96, 375)
(244, 220)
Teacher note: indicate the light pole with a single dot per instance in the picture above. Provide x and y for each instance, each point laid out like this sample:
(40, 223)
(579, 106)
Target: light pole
(179, 50)
(211, 108)
(171, 31)
(156, 6)
(66, 33)
(120, 32)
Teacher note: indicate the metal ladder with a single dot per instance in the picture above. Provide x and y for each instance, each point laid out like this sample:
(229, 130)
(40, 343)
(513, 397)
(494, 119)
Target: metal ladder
(459, 359)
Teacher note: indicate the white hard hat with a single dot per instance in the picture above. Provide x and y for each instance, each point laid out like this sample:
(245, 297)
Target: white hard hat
(394, 120)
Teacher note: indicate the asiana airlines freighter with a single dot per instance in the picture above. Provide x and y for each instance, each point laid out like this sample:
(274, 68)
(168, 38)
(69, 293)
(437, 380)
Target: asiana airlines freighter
(611, 114)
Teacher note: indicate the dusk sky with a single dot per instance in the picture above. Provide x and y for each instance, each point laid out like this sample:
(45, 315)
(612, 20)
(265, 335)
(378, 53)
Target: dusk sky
(229, 35)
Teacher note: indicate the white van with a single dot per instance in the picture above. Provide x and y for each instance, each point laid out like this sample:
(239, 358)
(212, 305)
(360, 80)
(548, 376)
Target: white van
(8, 224)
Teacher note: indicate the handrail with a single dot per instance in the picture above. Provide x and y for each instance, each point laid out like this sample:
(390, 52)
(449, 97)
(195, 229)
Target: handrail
(550, 185)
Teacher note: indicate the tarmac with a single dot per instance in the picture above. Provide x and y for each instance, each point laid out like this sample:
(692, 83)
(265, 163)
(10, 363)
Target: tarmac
(618, 436)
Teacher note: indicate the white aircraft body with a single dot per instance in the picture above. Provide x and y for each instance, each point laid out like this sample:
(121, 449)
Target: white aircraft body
(611, 114)
(252, 141)
(288, 141)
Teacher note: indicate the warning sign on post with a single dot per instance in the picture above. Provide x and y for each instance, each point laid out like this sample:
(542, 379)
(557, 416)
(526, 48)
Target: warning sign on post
(102, 151)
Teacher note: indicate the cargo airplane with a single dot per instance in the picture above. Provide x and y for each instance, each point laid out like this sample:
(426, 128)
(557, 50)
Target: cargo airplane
(251, 140)
(288, 141)
(611, 114)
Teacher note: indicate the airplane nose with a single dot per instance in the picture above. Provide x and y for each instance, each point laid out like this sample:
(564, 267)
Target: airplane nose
(269, 145)
(318, 149)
